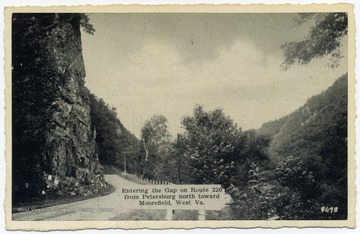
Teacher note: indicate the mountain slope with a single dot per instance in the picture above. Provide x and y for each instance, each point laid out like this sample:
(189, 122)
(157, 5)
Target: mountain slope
(306, 131)
(310, 146)
(114, 142)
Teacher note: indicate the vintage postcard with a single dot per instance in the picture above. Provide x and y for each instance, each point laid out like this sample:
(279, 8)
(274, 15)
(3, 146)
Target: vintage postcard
(180, 116)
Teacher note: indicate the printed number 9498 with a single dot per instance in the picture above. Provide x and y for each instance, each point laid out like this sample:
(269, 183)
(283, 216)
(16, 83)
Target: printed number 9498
(329, 209)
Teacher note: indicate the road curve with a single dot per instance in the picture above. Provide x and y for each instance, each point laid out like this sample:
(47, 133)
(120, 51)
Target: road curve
(96, 209)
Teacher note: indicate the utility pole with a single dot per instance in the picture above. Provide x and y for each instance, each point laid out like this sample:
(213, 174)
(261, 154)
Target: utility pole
(179, 159)
(125, 164)
(179, 166)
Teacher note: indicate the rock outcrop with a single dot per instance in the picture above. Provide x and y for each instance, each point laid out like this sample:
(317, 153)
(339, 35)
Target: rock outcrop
(68, 162)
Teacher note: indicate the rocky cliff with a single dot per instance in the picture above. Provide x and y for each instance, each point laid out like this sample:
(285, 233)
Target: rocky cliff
(52, 129)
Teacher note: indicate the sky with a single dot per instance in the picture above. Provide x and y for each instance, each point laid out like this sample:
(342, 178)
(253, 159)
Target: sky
(149, 63)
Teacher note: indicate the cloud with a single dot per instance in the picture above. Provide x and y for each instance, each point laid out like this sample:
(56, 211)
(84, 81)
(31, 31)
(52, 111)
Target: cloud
(161, 64)
(157, 81)
(196, 36)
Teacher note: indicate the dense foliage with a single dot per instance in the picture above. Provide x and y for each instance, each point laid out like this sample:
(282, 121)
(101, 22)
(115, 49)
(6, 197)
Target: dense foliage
(310, 147)
(115, 144)
(291, 168)
(323, 39)
(211, 139)
(211, 150)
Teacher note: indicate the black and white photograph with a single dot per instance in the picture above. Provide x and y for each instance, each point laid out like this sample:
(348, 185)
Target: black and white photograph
(201, 114)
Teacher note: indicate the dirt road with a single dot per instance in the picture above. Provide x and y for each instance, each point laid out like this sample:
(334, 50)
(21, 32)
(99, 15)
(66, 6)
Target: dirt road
(100, 208)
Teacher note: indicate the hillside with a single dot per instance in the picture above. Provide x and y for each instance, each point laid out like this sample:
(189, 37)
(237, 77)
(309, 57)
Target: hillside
(310, 147)
(114, 142)
(306, 131)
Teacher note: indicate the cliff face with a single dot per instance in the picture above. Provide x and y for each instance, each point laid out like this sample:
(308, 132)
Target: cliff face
(48, 69)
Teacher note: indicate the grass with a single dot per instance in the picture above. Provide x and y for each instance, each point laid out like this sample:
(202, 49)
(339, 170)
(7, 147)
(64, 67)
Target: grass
(38, 204)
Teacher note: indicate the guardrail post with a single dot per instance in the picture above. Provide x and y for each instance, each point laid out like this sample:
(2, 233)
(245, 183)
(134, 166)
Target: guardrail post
(202, 215)
(169, 214)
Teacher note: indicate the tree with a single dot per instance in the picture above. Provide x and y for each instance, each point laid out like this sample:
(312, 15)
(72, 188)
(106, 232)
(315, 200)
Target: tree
(211, 139)
(85, 24)
(107, 130)
(251, 150)
(257, 200)
(316, 136)
(323, 39)
(113, 141)
(181, 160)
(155, 139)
